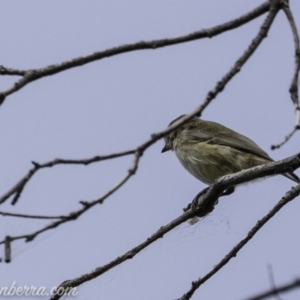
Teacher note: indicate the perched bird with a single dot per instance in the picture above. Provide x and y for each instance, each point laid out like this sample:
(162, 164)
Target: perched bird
(209, 150)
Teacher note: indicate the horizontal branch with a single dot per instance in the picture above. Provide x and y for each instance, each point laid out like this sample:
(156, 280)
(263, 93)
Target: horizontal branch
(8, 214)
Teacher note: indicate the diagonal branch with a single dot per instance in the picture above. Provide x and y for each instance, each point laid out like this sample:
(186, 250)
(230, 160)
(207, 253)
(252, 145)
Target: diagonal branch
(289, 196)
(263, 31)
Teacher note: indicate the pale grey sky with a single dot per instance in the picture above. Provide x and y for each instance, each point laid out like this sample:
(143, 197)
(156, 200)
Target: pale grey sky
(115, 104)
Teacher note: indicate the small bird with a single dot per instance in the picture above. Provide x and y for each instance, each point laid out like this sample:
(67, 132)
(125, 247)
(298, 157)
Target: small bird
(209, 150)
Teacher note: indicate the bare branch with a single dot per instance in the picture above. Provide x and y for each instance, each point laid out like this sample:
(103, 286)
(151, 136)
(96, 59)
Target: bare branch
(32, 75)
(286, 139)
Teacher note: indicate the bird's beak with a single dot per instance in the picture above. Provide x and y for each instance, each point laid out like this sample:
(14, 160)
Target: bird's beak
(165, 148)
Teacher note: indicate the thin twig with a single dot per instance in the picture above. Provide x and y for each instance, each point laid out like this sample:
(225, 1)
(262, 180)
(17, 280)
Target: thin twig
(32, 75)
(3, 213)
(19, 186)
(286, 139)
(295, 79)
(281, 289)
(272, 281)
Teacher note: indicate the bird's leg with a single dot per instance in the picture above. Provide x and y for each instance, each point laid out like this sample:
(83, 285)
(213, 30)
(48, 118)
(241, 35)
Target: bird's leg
(197, 199)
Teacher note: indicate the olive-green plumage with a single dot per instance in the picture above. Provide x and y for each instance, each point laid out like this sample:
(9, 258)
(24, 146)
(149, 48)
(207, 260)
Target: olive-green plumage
(209, 150)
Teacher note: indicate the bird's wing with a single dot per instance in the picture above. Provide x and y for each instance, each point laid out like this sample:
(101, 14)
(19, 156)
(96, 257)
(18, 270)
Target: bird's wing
(239, 142)
(229, 138)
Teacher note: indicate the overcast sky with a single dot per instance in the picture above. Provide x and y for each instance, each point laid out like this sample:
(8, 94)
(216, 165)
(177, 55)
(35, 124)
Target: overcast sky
(116, 104)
